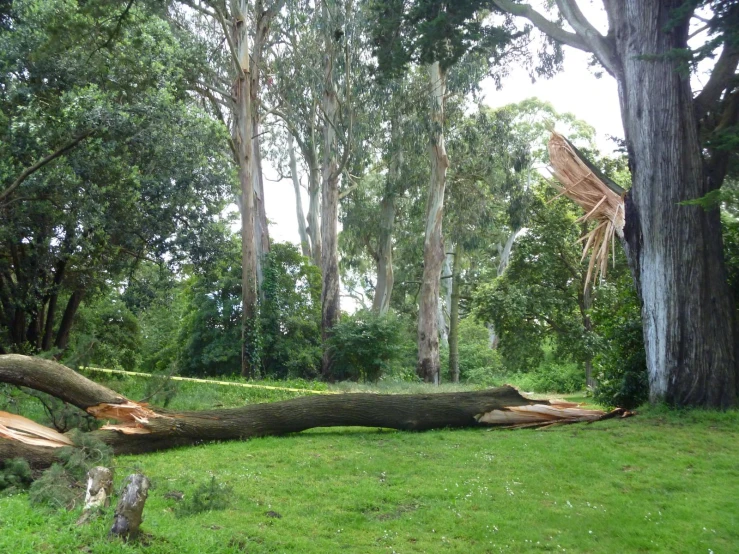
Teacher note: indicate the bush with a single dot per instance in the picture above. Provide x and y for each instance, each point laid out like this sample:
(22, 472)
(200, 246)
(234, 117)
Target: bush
(209, 496)
(562, 378)
(364, 346)
(478, 363)
(622, 379)
(621, 367)
(63, 484)
(15, 475)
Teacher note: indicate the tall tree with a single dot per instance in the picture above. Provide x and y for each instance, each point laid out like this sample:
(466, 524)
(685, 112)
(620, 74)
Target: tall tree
(234, 81)
(677, 152)
(118, 190)
(437, 35)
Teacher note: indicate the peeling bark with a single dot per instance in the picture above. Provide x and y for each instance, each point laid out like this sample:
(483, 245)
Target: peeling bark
(97, 494)
(433, 247)
(330, 297)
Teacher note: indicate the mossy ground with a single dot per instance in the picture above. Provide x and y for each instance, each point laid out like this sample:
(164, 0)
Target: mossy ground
(664, 481)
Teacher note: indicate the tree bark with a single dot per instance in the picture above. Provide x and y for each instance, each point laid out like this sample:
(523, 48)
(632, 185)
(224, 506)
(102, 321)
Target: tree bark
(243, 128)
(97, 495)
(305, 245)
(454, 318)
(675, 251)
(388, 208)
(330, 297)
(130, 508)
(385, 276)
(65, 326)
(144, 428)
(433, 247)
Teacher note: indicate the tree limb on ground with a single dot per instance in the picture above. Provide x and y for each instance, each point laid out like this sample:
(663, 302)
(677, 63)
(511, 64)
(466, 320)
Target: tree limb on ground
(140, 428)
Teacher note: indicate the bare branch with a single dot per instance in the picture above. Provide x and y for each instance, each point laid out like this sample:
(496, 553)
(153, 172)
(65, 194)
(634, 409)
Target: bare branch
(543, 24)
(721, 77)
(601, 46)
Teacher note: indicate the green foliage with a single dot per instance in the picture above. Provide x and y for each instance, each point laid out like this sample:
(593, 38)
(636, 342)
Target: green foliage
(15, 476)
(145, 175)
(621, 367)
(562, 378)
(106, 334)
(290, 314)
(539, 297)
(364, 346)
(63, 484)
(209, 496)
(478, 363)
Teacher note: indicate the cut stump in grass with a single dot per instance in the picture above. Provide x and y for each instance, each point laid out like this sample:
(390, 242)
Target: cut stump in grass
(97, 495)
(141, 428)
(130, 508)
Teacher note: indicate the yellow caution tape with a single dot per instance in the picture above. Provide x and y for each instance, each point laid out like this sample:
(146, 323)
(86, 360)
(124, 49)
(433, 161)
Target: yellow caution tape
(208, 381)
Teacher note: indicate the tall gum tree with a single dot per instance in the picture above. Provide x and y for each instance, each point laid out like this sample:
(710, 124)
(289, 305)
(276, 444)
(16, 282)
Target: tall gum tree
(674, 249)
(235, 82)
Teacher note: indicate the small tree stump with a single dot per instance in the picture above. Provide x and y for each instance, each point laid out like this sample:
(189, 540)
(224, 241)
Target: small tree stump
(99, 487)
(128, 512)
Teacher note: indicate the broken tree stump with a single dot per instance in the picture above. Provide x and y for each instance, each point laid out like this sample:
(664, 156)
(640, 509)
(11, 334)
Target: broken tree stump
(97, 495)
(130, 508)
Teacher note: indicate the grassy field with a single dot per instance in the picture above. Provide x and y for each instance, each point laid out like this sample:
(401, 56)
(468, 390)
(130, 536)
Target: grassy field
(660, 482)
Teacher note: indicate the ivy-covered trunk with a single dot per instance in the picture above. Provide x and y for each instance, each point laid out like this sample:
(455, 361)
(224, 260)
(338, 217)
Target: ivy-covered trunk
(433, 246)
(675, 250)
(243, 128)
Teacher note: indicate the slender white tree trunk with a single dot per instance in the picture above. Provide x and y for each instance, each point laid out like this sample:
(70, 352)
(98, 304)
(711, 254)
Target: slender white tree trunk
(302, 228)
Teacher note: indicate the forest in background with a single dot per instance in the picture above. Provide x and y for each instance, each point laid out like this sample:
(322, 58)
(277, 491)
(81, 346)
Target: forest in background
(127, 129)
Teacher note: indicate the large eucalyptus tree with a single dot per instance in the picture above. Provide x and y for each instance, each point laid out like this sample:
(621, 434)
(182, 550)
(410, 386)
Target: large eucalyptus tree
(679, 144)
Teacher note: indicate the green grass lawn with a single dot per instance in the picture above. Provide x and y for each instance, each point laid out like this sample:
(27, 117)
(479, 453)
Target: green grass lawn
(660, 482)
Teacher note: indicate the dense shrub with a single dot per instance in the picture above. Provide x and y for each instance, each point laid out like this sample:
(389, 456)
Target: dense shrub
(621, 366)
(478, 363)
(364, 346)
(290, 314)
(562, 378)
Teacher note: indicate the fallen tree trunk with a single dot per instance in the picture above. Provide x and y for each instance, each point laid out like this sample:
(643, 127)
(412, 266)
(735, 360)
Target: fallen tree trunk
(141, 428)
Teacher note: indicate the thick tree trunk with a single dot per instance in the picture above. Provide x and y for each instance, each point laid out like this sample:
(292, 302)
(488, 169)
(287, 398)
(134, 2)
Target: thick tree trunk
(261, 231)
(433, 247)
(454, 317)
(65, 326)
(330, 298)
(146, 429)
(305, 246)
(243, 127)
(675, 251)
